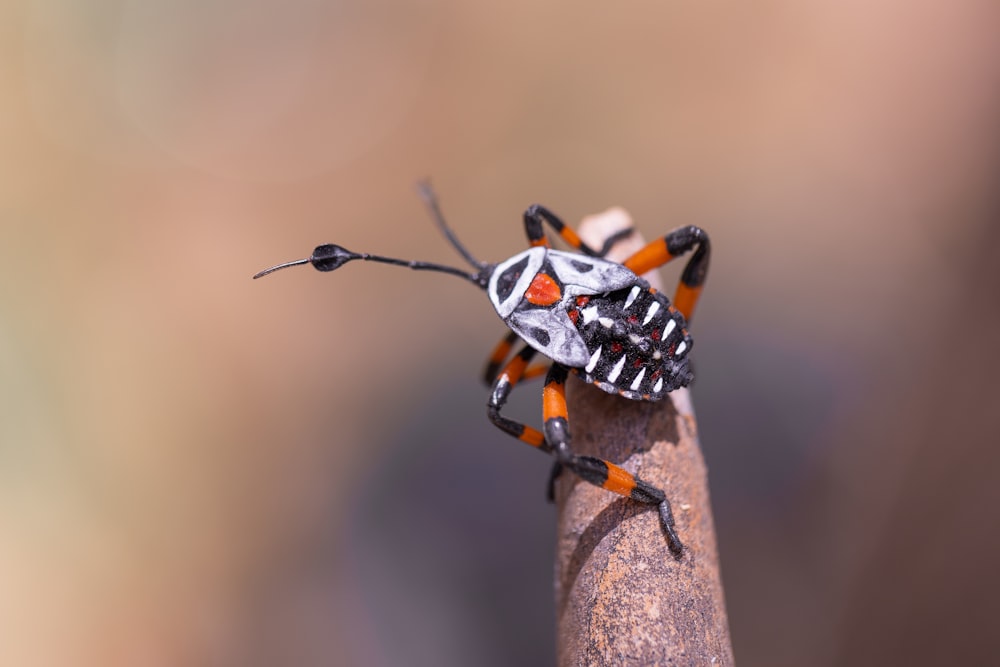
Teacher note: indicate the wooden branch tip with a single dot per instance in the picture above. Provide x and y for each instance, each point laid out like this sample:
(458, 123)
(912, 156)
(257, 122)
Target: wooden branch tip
(621, 598)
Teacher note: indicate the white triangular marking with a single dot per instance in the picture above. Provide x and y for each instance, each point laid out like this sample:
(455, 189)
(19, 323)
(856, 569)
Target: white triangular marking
(671, 325)
(653, 307)
(592, 364)
(638, 379)
(631, 297)
(617, 370)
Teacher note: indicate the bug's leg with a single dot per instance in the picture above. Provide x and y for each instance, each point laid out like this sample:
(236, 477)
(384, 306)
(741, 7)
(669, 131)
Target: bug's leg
(505, 381)
(599, 472)
(535, 371)
(536, 216)
(675, 244)
(550, 489)
(499, 356)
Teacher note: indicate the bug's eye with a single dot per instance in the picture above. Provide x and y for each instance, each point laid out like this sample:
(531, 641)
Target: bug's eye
(508, 279)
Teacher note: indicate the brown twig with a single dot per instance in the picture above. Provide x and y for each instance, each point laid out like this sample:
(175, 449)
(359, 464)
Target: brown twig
(621, 598)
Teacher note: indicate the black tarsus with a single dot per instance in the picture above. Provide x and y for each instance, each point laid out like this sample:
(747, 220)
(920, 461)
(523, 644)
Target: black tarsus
(684, 239)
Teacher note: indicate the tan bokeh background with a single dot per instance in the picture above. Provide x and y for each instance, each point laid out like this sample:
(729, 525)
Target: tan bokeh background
(197, 469)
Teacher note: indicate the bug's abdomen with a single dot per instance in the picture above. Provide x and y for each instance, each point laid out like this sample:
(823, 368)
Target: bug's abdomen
(637, 341)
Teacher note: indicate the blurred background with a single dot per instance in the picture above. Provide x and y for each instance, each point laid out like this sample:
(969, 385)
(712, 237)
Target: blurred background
(199, 469)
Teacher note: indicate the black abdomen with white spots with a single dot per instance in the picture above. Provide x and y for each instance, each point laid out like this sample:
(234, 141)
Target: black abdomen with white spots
(638, 342)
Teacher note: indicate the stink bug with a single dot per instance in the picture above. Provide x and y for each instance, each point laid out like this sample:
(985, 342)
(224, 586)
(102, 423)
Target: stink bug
(590, 316)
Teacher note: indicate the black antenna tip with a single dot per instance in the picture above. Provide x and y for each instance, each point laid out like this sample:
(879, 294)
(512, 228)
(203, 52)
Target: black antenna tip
(324, 258)
(329, 257)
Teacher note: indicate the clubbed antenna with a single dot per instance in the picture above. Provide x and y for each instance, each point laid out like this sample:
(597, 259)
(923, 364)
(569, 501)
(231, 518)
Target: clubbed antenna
(329, 257)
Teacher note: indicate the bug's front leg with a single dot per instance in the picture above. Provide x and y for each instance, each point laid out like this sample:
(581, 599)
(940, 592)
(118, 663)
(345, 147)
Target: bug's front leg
(499, 355)
(502, 386)
(599, 472)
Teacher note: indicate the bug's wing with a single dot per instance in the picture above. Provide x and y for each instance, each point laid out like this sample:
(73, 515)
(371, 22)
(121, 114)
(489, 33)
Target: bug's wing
(590, 275)
(551, 332)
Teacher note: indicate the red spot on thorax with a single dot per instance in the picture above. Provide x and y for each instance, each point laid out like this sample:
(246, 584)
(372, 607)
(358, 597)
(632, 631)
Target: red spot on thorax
(543, 290)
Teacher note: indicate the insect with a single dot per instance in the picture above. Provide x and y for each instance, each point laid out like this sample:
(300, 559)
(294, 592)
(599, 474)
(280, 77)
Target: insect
(592, 317)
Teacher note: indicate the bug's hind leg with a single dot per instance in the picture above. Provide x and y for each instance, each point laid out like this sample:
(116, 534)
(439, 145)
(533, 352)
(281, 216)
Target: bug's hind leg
(598, 472)
(673, 245)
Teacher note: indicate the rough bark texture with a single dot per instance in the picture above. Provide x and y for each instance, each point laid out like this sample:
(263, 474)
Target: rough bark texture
(621, 598)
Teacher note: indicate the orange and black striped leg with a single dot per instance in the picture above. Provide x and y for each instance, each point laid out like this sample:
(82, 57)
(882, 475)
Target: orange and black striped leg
(536, 216)
(674, 244)
(499, 356)
(550, 489)
(599, 472)
(505, 381)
